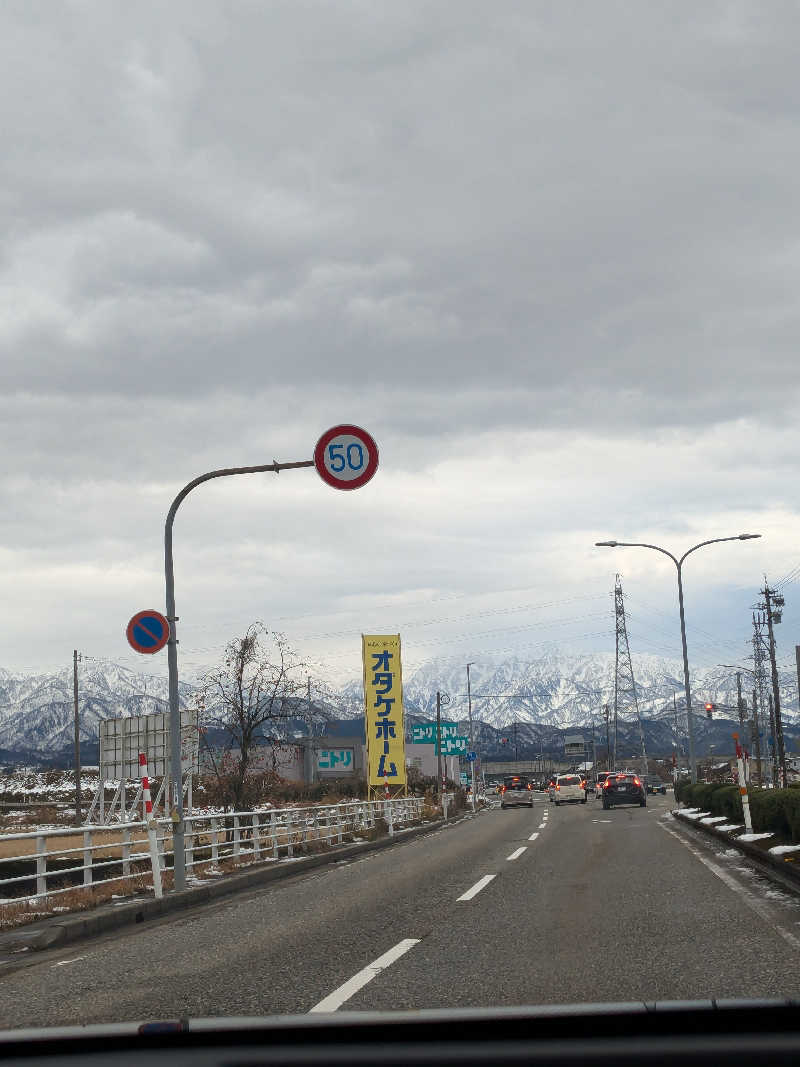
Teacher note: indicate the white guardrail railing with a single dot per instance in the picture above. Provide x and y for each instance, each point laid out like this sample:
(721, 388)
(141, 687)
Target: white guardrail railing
(64, 859)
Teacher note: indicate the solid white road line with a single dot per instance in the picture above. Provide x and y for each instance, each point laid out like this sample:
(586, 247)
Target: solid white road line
(335, 999)
(533, 836)
(758, 906)
(515, 855)
(479, 885)
(542, 825)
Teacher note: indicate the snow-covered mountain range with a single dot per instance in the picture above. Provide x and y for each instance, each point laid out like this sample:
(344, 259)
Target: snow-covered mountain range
(558, 691)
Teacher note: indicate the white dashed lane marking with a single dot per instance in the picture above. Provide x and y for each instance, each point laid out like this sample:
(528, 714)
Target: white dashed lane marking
(479, 885)
(533, 836)
(515, 855)
(335, 999)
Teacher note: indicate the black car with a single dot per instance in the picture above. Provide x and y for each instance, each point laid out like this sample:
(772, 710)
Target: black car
(655, 785)
(623, 789)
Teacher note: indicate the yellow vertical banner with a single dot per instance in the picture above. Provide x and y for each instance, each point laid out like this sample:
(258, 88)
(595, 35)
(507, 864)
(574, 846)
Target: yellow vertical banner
(383, 709)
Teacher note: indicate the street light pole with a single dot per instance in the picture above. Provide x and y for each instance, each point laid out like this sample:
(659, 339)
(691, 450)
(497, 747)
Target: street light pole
(679, 565)
(179, 861)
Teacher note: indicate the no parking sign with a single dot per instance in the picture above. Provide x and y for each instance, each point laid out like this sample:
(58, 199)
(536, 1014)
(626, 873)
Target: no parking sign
(148, 631)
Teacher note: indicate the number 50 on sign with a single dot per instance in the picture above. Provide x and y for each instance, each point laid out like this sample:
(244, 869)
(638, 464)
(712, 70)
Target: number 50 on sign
(346, 457)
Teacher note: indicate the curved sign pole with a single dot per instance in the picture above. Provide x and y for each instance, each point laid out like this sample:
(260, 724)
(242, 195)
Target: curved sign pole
(346, 457)
(179, 860)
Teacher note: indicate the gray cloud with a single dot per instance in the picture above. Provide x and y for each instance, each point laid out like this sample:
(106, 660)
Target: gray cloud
(547, 254)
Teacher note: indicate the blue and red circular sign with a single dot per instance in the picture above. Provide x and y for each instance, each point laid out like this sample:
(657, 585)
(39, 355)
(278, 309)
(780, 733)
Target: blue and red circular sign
(346, 457)
(148, 631)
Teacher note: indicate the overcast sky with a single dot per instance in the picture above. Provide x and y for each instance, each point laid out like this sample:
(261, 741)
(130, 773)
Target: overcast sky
(548, 254)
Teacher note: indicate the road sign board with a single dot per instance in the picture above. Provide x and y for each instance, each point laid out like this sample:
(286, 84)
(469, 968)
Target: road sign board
(453, 746)
(346, 457)
(425, 732)
(472, 756)
(573, 745)
(148, 631)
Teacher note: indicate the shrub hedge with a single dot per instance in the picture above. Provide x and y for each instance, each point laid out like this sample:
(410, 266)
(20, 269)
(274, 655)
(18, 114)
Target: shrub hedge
(773, 810)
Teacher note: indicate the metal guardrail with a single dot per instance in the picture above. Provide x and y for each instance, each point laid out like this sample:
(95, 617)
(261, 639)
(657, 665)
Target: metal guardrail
(242, 835)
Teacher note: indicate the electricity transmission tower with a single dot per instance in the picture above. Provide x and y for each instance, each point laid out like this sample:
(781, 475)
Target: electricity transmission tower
(625, 699)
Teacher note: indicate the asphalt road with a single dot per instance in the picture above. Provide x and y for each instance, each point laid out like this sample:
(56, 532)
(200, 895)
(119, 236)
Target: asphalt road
(599, 906)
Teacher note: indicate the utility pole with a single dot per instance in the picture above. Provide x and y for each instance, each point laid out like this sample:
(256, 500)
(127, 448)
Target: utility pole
(760, 669)
(439, 740)
(594, 751)
(78, 814)
(739, 703)
(471, 737)
(772, 730)
(773, 602)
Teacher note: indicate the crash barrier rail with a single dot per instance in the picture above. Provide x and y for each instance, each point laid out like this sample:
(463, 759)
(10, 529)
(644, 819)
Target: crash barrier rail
(95, 855)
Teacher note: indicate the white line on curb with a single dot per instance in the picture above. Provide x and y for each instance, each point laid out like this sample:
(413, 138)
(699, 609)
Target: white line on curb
(542, 825)
(533, 837)
(335, 999)
(757, 905)
(515, 855)
(479, 885)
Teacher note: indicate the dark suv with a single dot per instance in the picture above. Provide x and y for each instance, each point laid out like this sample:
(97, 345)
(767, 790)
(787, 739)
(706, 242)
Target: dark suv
(655, 785)
(623, 788)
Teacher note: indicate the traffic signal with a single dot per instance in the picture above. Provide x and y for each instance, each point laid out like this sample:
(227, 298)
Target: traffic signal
(709, 709)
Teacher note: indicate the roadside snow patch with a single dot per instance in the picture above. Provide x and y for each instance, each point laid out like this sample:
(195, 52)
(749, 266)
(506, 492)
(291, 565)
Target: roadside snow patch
(712, 820)
(731, 826)
(779, 850)
(753, 837)
(695, 814)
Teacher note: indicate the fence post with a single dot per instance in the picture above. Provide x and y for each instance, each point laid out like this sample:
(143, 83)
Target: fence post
(41, 866)
(214, 840)
(289, 821)
(273, 829)
(390, 819)
(126, 853)
(87, 857)
(256, 839)
(339, 824)
(236, 835)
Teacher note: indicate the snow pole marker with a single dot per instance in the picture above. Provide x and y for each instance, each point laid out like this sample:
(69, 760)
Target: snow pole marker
(151, 826)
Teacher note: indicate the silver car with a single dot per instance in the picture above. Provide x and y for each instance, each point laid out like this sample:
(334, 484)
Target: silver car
(516, 789)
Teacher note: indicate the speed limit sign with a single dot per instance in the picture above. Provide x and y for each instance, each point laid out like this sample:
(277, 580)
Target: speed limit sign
(346, 457)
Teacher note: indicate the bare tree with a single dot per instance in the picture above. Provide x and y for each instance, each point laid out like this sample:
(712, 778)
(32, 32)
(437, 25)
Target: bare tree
(248, 696)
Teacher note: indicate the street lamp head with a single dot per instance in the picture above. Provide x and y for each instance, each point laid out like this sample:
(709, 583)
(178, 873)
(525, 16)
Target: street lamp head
(748, 537)
(606, 544)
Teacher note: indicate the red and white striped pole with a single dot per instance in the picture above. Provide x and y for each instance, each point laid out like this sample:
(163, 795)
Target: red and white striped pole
(151, 826)
(748, 822)
(388, 806)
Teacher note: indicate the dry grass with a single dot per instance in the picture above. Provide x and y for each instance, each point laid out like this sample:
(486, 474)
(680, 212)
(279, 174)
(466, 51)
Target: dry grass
(81, 898)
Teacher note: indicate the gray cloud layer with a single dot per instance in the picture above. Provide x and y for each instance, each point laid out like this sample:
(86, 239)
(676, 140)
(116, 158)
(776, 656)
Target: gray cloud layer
(547, 254)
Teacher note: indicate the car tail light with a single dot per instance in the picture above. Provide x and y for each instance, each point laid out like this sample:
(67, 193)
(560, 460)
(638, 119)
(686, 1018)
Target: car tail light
(530, 786)
(636, 781)
(607, 783)
(558, 786)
